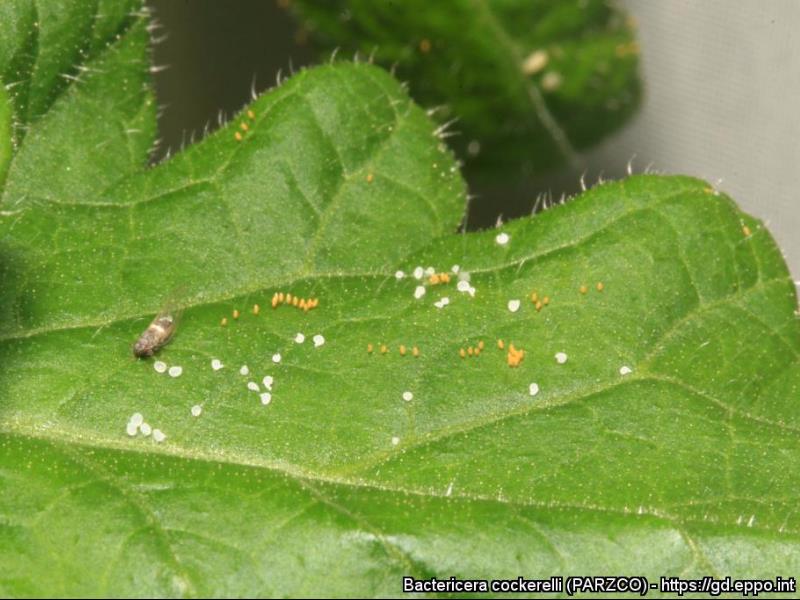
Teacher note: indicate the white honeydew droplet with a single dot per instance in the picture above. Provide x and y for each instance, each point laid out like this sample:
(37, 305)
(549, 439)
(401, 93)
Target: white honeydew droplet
(131, 429)
(533, 389)
(276, 358)
(625, 370)
(513, 305)
(244, 370)
(160, 366)
(419, 292)
(299, 338)
(266, 398)
(399, 275)
(535, 62)
(252, 386)
(145, 429)
(216, 364)
(159, 435)
(419, 273)
(408, 396)
(196, 410)
(561, 357)
(395, 440)
(502, 238)
(136, 419)
(175, 371)
(318, 339)
(551, 81)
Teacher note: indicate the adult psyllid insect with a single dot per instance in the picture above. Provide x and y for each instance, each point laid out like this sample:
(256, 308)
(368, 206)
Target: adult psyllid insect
(156, 336)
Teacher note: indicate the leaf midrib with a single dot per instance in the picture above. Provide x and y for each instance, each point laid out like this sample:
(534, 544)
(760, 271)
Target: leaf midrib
(296, 277)
(81, 439)
(304, 478)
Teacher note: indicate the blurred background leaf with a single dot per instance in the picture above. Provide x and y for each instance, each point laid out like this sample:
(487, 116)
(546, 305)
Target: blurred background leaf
(528, 83)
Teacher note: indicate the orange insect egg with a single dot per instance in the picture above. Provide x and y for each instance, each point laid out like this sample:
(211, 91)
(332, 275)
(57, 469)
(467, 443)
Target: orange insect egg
(539, 306)
(469, 351)
(369, 348)
(235, 314)
(402, 350)
(425, 45)
(433, 279)
(462, 353)
(370, 177)
(295, 301)
(244, 126)
(281, 297)
(224, 321)
(480, 345)
(256, 309)
(238, 136)
(477, 351)
(251, 114)
(546, 300)
(415, 351)
(384, 349)
(583, 289)
(534, 297)
(289, 298)
(515, 356)
(746, 231)
(600, 286)
(274, 300)
(501, 344)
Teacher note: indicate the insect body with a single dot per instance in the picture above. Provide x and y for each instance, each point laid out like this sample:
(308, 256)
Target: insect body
(157, 335)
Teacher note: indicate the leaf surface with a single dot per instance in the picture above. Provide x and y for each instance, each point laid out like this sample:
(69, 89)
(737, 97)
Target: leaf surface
(683, 466)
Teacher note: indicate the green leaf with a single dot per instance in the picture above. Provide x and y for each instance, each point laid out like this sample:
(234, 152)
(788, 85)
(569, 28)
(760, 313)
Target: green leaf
(684, 466)
(5, 133)
(530, 83)
(86, 108)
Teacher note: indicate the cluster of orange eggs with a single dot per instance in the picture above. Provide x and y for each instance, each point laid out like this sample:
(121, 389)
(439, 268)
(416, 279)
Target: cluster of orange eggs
(305, 304)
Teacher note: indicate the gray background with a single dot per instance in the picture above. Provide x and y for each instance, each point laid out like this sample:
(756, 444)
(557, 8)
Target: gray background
(722, 96)
(722, 102)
